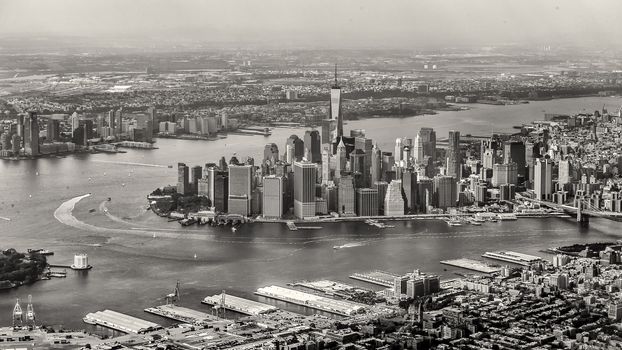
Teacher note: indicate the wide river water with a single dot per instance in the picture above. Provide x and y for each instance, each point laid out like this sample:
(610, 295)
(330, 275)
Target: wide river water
(133, 270)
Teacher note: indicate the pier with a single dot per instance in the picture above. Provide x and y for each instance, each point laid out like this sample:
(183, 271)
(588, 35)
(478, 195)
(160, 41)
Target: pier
(237, 304)
(512, 257)
(121, 322)
(471, 264)
(183, 314)
(380, 278)
(338, 307)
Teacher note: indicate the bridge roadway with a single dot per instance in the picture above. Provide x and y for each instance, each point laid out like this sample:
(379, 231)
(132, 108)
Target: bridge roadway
(568, 208)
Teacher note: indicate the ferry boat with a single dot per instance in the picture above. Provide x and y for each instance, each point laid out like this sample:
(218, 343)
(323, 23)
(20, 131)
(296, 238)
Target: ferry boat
(41, 251)
(89, 320)
(291, 226)
(453, 222)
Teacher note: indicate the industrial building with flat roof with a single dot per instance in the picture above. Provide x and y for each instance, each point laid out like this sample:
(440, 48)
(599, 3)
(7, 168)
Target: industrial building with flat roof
(241, 305)
(121, 322)
(339, 307)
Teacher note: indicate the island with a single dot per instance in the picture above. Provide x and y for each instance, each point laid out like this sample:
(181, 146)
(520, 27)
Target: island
(20, 268)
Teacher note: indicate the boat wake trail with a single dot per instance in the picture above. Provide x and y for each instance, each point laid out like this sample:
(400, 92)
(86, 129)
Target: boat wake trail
(131, 163)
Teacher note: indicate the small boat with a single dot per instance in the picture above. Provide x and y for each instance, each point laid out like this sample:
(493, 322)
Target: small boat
(195, 256)
(233, 229)
(92, 210)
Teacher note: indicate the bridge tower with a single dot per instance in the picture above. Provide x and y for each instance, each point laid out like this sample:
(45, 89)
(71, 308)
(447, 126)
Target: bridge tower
(174, 297)
(30, 313)
(18, 314)
(582, 218)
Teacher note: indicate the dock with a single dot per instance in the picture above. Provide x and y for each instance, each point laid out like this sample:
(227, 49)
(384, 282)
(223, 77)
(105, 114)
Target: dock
(183, 314)
(473, 265)
(120, 322)
(380, 278)
(512, 257)
(338, 307)
(241, 305)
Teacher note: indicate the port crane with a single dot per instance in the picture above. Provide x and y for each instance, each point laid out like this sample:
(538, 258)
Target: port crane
(174, 297)
(221, 305)
(30, 313)
(18, 315)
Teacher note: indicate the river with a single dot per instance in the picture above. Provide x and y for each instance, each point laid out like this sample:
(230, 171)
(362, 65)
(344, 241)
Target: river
(133, 270)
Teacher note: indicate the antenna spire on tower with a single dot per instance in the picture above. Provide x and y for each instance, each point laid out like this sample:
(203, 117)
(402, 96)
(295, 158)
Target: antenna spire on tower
(335, 73)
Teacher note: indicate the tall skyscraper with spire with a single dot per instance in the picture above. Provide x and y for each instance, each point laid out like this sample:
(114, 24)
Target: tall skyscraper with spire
(332, 127)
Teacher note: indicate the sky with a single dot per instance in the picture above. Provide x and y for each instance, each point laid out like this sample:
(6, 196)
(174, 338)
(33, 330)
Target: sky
(329, 23)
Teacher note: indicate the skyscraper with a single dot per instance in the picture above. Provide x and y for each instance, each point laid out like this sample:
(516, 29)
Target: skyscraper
(31, 132)
(346, 196)
(53, 130)
(394, 199)
(445, 191)
(514, 152)
(543, 181)
(418, 151)
(367, 202)
(397, 155)
(340, 165)
(428, 139)
(409, 186)
(271, 153)
(220, 192)
(196, 173)
(504, 174)
(454, 158)
(376, 164)
(240, 189)
(326, 166)
(296, 145)
(335, 105)
(312, 150)
(564, 172)
(273, 195)
(183, 185)
(304, 189)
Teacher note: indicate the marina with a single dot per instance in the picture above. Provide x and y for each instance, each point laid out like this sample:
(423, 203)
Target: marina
(120, 322)
(471, 264)
(237, 304)
(512, 257)
(379, 278)
(183, 314)
(338, 307)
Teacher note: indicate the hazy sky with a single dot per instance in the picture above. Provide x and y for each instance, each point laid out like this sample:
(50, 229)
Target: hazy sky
(396, 23)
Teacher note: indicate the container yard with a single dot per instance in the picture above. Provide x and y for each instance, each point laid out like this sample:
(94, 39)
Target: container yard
(241, 305)
(339, 307)
(120, 322)
(473, 265)
(380, 278)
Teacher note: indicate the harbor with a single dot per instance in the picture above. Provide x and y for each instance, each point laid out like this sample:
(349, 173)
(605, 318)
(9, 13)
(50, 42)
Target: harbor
(474, 265)
(237, 304)
(183, 314)
(338, 307)
(512, 257)
(377, 277)
(120, 322)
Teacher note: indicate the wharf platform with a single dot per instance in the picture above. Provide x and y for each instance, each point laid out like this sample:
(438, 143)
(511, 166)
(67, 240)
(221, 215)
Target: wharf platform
(338, 307)
(473, 265)
(512, 257)
(377, 277)
(241, 305)
(183, 314)
(121, 322)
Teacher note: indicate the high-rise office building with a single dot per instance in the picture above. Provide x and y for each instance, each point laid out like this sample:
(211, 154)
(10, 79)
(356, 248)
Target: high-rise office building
(196, 173)
(312, 146)
(240, 189)
(564, 175)
(304, 189)
(514, 152)
(428, 139)
(326, 166)
(53, 130)
(295, 146)
(271, 153)
(543, 180)
(454, 157)
(504, 174)
(397, 155)
(335, 105)
(118, 116)
(394, 203)
(445, 191)
(376, 164)
(382, 187)
(418, 150)
(110, 120)
(16, 144)
(183, 185)
(409, 186)
(220, 194)
(358, 166)
(425, 193)
(367, 202)
(346, 196)
(340, 158)
(273, 196)
(31, 132)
